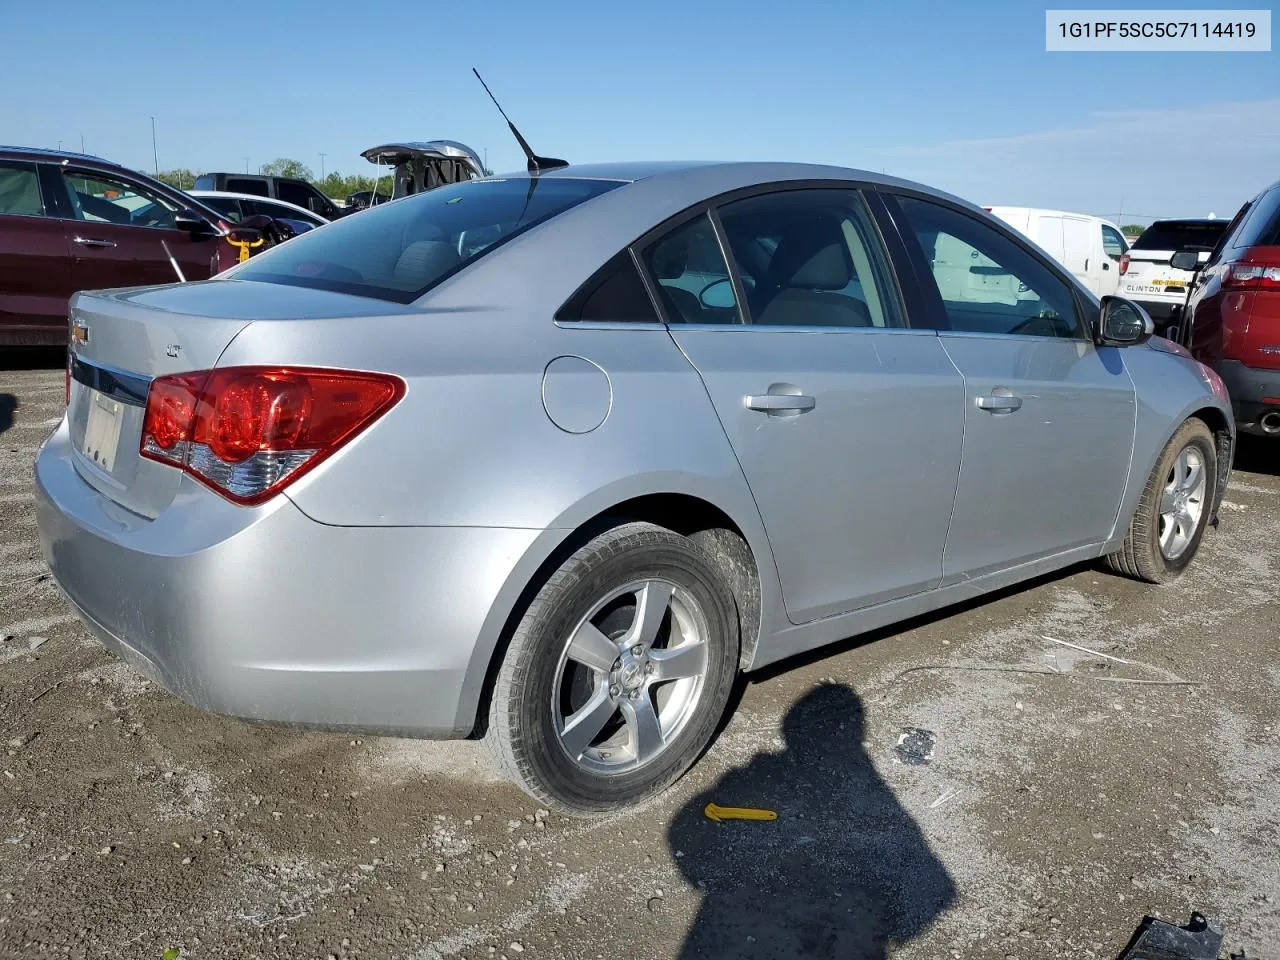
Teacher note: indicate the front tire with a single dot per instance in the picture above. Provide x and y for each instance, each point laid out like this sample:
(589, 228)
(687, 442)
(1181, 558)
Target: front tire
(617, 674)
(1176, 504)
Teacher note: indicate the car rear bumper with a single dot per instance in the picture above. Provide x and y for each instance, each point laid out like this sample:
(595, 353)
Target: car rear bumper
(1254, 392)
(266, 614)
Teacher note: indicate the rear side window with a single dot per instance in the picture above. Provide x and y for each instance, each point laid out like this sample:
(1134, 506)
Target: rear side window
(253, 185)
(615, 293)
(809, 258)
(397, 251)
(205, 182)
(295, 193)
(229, 206)
(1175, 235)
(1261, 225)
(274, 210)
(20, 190)
(691, 275)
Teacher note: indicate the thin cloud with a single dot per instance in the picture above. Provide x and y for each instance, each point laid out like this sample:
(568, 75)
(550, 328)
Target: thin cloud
(1152, 162)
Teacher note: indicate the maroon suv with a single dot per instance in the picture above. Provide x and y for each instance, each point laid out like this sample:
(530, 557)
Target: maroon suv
(1232, 319)
(71, 222)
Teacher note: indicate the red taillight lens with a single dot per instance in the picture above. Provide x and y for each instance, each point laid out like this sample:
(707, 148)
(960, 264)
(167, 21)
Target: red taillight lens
(1252, 276)
(247, 432)
(1124, 264)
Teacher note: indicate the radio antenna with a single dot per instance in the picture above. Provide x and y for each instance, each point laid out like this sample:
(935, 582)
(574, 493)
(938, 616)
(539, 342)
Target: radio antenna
(537, 164)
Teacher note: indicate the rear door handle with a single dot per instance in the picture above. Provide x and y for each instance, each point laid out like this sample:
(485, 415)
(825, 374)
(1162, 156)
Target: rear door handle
(780, 404)
(93, 242)
(1000, 402)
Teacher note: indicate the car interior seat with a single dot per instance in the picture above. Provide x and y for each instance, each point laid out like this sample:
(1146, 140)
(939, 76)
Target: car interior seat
(808, 270)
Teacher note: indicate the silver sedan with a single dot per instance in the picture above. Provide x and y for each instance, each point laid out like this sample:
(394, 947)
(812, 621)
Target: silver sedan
(552, 459)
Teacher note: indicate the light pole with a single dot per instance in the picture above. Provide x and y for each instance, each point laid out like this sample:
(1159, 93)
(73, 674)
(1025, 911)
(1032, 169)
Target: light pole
(246, 164)
(154, 155)
(322, 156)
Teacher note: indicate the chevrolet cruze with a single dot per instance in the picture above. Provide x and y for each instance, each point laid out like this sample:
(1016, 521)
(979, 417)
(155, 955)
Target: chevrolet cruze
(552, 458)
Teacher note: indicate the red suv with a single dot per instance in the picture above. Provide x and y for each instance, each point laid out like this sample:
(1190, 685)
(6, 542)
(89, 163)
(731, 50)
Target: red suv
(1232, 319)
(71, 222)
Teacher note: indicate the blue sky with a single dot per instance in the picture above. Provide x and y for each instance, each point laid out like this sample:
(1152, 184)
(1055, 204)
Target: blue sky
(961, 96)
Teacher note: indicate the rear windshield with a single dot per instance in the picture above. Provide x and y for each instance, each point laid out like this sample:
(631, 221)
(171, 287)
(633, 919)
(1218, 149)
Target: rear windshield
(1181, 234)
(1261, 225)
(399, 250)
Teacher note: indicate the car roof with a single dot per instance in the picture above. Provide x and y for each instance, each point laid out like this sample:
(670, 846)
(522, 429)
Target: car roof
(250, 196)
(721, 176)
(1196, 221)
(44, 153)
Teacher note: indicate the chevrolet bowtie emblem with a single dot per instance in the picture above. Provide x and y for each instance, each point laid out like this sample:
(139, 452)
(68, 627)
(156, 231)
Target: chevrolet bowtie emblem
(79, 333)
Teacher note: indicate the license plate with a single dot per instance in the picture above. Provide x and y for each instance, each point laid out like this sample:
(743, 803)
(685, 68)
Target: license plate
(102, 431)
(1168, 283)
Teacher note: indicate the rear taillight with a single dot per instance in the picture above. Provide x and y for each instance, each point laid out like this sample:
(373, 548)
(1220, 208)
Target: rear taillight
(1124, 264)
(1252, 276)
(248, 432)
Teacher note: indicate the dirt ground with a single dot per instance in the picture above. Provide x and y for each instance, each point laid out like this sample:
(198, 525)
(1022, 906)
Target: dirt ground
(1057, 808)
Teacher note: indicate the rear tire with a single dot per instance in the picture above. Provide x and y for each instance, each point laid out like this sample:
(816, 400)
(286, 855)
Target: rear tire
(617, 674)
(1168, 525)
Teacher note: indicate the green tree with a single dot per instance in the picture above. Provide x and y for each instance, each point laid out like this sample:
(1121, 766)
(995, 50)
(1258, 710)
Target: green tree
(284, 167)
(181, 178)
(1132, 229)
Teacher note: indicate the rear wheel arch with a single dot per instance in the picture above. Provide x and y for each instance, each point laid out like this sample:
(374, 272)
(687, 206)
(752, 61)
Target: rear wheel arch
(717, 533)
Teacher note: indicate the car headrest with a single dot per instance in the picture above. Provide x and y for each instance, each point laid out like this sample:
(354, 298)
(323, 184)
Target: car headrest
(813, 259)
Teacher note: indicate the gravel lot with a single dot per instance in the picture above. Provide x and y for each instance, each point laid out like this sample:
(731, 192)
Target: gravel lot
(1057, 809)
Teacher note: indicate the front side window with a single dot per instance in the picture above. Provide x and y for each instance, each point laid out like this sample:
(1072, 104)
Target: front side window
(20, 190)
(988, 282)
(1113, 243)
(689, 271)
(397, 251)
(101, 198)
(253, 185)
(810, 258)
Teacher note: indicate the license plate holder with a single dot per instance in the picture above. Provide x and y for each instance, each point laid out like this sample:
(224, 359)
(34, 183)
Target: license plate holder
(102, 430)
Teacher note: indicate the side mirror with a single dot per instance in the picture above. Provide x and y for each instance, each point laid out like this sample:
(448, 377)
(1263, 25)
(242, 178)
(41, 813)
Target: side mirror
(1185, 260)
(1122, 323)
(718, 295)
(192, 224)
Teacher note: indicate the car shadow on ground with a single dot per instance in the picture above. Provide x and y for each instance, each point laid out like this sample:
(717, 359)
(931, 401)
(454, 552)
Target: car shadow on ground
(1258, 455)
(8, 404)
(844, 872)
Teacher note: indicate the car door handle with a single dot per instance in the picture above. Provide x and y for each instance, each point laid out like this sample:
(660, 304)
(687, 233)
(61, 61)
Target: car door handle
(93, 242)
(780, 403)
(1000, 404)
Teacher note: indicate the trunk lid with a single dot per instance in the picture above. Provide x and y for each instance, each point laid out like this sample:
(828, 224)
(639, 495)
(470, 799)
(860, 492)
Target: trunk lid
(123, 339)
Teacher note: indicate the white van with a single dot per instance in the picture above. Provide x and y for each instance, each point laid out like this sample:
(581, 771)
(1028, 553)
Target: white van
(1089, 247)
